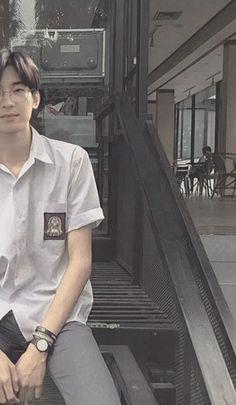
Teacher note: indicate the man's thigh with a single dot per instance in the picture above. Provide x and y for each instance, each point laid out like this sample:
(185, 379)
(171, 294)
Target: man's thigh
(78, 369)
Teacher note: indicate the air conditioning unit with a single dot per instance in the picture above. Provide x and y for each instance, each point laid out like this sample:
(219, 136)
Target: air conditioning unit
(65, 53)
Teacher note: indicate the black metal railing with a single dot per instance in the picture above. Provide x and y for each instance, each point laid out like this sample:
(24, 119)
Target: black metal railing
(159, 246)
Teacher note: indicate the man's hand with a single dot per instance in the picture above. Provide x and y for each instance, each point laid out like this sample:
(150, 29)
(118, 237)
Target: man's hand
(31, 368)
(8, 381)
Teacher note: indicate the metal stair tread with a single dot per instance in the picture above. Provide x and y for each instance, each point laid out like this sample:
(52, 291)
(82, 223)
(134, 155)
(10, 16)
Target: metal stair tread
(118, 303)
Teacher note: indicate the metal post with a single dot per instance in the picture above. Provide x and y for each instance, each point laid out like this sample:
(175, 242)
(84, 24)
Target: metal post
(192, 129)
(218, 136)
(119, 46)
(142, 57)
(181, 132)
(177, 134)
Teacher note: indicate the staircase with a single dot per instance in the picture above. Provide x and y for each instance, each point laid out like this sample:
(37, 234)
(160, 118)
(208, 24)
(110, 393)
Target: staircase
(135, 337)
(123, 314)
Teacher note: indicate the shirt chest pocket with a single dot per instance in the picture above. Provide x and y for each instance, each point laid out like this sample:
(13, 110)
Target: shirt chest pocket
(49, 226)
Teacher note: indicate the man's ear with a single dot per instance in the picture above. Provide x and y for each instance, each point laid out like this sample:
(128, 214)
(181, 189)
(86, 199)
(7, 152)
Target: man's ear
(36, 100)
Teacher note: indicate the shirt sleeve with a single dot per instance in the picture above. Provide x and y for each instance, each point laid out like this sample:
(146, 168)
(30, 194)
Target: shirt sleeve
(83, 206)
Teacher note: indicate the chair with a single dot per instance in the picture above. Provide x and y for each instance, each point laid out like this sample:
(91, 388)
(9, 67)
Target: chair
(225, 180)
(181, 172)
(233, 175)
(201, 172)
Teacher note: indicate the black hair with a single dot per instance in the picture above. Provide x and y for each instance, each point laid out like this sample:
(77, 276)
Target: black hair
(23, 65)
(206, 149)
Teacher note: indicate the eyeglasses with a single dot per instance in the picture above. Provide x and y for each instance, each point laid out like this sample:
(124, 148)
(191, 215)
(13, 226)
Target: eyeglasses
(17, 95)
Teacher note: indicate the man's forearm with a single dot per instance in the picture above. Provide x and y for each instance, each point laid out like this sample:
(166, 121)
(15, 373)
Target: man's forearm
(73, 280)
(67, 294)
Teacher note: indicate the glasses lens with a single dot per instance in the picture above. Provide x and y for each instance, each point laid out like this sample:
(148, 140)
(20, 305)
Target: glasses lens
(20, 94)
(17, 95)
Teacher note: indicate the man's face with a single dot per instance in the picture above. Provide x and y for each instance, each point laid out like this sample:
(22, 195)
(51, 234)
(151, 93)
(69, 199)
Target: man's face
(207, 153)
(15, 111)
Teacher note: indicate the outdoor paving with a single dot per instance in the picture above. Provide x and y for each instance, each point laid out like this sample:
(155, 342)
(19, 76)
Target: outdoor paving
(216, 216)
(215, 221)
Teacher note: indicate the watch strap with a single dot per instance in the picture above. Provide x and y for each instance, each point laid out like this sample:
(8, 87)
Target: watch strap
(46, 332)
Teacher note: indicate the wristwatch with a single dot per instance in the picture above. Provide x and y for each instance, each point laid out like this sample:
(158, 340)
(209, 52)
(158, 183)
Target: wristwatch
(41, 344)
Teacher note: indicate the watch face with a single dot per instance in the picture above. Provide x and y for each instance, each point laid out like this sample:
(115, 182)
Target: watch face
(42, 345)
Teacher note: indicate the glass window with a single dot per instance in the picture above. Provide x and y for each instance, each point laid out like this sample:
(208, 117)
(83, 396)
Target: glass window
(71, 57)
(204, 131)
(211, 119)
(199, 132)
(204, 120)
(184, 129)
(66, 39)
(186, 134)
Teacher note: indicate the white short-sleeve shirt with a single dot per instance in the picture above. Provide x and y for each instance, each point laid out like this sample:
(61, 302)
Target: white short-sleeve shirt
(54, 194)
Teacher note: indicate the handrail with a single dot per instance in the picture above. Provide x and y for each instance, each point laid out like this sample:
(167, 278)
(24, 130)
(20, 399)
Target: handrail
(130, 75)
(216, 291)
(169, 236)
(105, 109)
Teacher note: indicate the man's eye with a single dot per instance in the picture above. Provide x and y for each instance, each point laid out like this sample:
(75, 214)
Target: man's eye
(19, 90)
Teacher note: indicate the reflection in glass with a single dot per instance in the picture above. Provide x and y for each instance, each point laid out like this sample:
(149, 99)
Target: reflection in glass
(11, 23)
(66, 39)
(62, 14)
(16, 24)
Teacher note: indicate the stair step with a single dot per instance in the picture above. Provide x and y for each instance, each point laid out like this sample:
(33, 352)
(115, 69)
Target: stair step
(123, 314)
(164, 393)
(161, 386)
(118, 303)
(159, 375)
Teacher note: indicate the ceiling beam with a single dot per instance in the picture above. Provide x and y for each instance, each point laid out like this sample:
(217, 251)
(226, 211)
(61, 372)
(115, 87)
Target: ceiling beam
(211, 28)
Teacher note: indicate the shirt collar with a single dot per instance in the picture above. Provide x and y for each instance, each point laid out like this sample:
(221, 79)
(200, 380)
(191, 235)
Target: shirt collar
(38, 148)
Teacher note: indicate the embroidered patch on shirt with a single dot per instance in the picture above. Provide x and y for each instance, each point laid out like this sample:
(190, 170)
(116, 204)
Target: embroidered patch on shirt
(54, 225)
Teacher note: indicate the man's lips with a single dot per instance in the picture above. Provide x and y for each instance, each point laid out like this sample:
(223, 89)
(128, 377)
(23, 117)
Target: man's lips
(8, 116)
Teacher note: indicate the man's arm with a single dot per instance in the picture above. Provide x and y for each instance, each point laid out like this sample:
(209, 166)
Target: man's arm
(31, 366)
(73, 281)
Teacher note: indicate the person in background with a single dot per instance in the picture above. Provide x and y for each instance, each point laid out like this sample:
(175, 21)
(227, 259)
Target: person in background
(216, 162)
(206, 151)
(48, 207)
(203, 166)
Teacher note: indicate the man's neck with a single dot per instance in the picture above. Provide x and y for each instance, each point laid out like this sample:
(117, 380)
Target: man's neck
(14, 150)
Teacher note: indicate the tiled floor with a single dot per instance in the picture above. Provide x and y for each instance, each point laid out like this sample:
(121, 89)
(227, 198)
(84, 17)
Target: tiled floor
(215, 221)
(216, 216)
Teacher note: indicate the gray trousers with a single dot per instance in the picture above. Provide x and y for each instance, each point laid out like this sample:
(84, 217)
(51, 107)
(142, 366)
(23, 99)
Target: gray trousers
(76, 365)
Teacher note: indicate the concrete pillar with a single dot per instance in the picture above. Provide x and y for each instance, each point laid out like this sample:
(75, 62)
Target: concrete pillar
(165, 121)
(227, 110)
(151, 109)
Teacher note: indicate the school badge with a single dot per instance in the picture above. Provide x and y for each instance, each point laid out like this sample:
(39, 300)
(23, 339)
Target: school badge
(54, 225)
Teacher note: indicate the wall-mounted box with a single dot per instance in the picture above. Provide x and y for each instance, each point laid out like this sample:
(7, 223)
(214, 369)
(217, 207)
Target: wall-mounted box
(65, 53)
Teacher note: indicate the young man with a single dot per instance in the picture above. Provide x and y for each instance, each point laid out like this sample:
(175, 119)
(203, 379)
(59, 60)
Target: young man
(48, 205)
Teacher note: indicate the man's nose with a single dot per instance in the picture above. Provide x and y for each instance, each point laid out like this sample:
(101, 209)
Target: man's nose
(6, 99)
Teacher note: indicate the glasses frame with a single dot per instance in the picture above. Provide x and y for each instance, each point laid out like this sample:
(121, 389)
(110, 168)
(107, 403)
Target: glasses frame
(16, 98)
